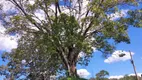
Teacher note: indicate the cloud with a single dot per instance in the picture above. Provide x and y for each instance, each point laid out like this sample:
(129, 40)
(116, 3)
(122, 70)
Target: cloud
(7, 42)
(117, 15)
(7, 5)
(116, 77)
(121, 76)
(40, 14)
(139, 74)
(2, 29)
(83, 54)
(94, 49)
(115, 56)
(83, 73)
(32, 2)
(23, 61)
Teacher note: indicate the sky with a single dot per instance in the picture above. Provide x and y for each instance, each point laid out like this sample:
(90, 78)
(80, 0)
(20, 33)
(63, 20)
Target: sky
(121, 66)
(116, 66)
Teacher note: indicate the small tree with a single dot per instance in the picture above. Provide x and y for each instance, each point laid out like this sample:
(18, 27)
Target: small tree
(102, 75)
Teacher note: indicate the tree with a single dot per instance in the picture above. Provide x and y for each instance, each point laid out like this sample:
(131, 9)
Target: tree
(92, 78)
(126, 77)
(56, 38)
(72, 78)
(113, 79)
(35, 66)
(101, 75)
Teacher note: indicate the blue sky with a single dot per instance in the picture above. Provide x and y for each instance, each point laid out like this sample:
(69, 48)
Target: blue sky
(120, 67)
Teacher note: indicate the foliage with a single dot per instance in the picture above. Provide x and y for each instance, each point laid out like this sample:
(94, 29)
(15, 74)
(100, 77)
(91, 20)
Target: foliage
(102, 75)
(92, 78)
(32, 60)
(72, 78)
(126, 77)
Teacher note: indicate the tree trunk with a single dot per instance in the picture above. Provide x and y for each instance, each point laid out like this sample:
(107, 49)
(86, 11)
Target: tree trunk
(69, 61)
(72, 70)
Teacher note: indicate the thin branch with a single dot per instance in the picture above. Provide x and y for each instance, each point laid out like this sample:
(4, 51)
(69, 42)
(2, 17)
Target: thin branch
(45, 9)
(96, 16)
(95, 31)
(87, 29)
(56, 11)
(58, 6)
(27, 16)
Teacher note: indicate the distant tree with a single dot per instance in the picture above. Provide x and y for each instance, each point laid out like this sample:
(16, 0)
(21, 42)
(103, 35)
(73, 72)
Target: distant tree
(113, 79)
(72, 78)
(92, 79)
(126, 77)
(102, 75)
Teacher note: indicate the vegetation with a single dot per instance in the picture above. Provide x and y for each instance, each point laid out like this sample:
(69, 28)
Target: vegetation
(101, 75)
(51, 45)
(72, 78)
(126, 77)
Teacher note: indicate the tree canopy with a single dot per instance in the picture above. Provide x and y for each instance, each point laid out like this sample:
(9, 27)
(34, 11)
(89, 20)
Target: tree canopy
(52, 35)
(102, 74)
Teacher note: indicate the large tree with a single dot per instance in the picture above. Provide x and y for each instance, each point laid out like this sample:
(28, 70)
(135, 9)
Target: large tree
(54, 33)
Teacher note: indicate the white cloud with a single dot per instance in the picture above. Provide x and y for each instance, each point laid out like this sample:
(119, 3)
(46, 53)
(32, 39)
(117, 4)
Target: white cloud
(81, 54)
(116, 77)
(83, 73)
(117, 15)
(115, 56)
(7, 42)
(121, 76)
(139, 74)
(94, 49)
(40, 14)
(2, 29)
(23, 61)
(7, 5)
(32, 2)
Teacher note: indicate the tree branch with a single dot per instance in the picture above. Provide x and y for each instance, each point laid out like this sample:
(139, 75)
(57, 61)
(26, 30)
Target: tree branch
(27, 16)
(87, 29)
